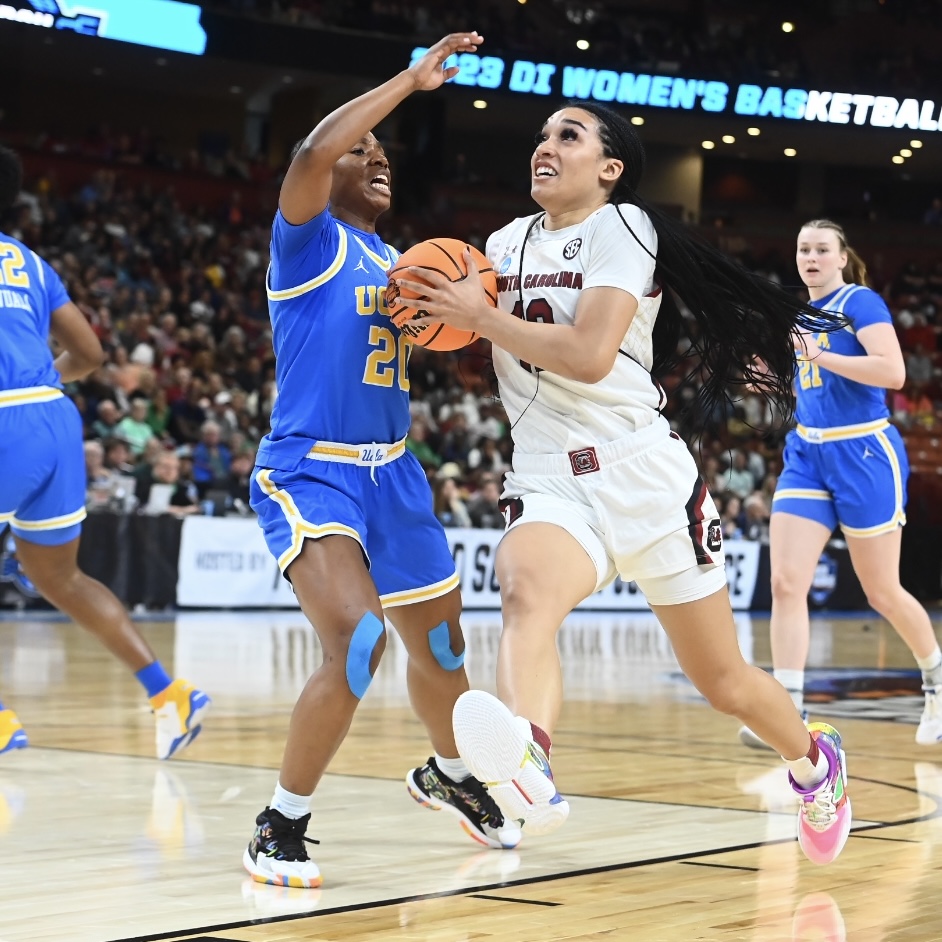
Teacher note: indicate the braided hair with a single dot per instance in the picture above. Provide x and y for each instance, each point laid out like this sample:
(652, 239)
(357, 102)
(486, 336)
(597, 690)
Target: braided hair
(745, 324)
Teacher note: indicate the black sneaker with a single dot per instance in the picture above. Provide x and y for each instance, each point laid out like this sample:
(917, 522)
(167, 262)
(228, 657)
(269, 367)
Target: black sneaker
(477, 812)
(276, 852)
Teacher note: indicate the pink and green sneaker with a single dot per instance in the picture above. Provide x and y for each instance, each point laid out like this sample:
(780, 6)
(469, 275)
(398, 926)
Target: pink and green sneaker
(824, 818)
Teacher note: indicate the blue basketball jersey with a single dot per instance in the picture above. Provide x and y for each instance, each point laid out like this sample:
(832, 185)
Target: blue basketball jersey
(30, 291)
(826, 400)
(341, 364)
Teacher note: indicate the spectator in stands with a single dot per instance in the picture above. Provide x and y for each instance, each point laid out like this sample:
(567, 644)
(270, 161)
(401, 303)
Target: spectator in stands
(755, 518)
(187, 415)
(212, 459)
(450, 507)
(118, 455)
(484, 509)
(738, 478)
(166, 470)
(100, 481)
(417, 443)
(919, 366)
(731, 515)
(933, 215)
(240, 477)
(158, 413)
(106, 424)
(134, 428)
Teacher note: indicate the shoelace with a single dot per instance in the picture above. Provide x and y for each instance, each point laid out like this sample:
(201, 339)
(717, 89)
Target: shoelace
(290, 836)
(820, 811)
(933, 700)
(489, 810)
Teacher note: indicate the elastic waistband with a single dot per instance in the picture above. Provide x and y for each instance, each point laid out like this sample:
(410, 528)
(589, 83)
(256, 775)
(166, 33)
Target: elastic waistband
(369, 456)
(22, 397)
(593, 457)
(840, 432)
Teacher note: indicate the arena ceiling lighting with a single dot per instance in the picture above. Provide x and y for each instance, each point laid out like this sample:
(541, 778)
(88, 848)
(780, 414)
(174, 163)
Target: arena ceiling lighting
(708, 145)
(637, 120)
(788, 27)
(582, 44)
(753, 132)
(729, 139)
(790, 152)
(480, 103)
(905, 152)
(915, 144)
(897, 159)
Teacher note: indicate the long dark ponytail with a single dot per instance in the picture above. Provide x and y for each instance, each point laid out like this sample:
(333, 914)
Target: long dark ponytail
(745, 324)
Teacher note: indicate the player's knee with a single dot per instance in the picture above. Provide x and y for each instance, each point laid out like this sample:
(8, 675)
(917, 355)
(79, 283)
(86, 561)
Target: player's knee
(443, 647)
(786, 585)
(521, 595)
(725, 696)
(366, 647)
(883, 598)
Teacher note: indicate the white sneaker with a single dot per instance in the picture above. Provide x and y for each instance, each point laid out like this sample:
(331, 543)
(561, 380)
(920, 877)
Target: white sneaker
(748, 738)
(929, 732)
(499, 751)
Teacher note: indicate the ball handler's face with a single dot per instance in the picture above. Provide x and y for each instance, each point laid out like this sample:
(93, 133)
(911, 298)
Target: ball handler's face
(568, 167)
(361, 180)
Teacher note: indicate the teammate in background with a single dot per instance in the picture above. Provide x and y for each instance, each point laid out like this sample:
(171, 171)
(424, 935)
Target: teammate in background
(345, 508)
(844, 465)
(42, 473)
(601, 485)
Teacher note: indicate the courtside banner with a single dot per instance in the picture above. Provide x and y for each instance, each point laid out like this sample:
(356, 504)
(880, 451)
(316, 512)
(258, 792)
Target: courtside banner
(224, 563)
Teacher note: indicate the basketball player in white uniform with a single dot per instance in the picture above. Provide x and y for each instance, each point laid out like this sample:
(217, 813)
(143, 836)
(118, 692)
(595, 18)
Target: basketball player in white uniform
(600, 484)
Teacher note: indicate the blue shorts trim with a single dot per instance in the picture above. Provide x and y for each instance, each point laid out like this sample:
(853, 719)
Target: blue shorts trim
(386, 509)
(42, 471)
(858, 484)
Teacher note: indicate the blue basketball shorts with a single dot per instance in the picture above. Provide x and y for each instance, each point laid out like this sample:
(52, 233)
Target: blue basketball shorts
(859, 483)
(387, 509)
(42, 470)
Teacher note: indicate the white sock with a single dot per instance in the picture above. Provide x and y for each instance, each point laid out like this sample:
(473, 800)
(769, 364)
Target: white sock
(794, 682)
(455, 769)
(289, 804)
(931, 667)
(806, 774)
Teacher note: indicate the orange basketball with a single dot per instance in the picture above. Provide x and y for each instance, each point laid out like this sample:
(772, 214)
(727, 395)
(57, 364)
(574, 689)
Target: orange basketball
(445, 256)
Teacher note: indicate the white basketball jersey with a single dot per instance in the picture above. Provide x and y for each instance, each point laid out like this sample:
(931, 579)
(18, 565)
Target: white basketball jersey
(549, 413)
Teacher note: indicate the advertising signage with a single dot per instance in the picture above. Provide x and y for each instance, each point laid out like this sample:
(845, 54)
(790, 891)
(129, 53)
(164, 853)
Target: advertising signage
(691, 94)
(161, 24)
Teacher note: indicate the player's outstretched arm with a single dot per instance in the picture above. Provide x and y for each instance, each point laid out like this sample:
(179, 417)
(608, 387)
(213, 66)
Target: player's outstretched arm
(81, 350)
(306, 187)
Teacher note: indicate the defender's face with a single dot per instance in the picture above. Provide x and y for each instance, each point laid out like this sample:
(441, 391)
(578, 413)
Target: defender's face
(819, 257)
(361, 179)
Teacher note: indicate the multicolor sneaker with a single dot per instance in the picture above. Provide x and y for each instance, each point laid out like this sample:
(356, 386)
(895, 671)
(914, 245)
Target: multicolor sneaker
(276, 853)
(12, 734)
(499, 751)
(929, 732)
(179, 711)
(469, 801)
(824, 817)
(748, 738)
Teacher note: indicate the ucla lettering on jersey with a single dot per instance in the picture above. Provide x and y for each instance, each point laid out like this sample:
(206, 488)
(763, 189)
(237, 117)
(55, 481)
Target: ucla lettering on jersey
(341, 364)
(824, 399)
(30, 291)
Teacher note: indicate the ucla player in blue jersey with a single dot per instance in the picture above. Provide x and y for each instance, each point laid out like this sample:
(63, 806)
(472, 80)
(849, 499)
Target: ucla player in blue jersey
(42, 473)
(844, 465)
(346, 509)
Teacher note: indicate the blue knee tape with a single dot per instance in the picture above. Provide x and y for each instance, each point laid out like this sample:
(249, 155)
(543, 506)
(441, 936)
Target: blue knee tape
(440, 643)
(368, 631)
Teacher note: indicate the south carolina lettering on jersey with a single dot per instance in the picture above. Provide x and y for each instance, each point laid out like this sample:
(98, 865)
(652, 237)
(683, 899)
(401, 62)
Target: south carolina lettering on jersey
(559, 279)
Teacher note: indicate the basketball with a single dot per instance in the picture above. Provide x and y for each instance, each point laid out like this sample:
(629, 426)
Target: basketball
(445, 256)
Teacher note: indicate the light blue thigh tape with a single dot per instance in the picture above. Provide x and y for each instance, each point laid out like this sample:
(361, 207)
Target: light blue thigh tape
(440, 643)
(368, 631)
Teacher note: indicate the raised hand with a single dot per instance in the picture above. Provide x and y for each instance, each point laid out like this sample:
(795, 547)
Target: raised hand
(428, 73)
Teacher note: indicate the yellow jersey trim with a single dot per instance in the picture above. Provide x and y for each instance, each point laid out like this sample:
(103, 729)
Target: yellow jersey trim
(841, 432)
(22, 397)
(321, 279)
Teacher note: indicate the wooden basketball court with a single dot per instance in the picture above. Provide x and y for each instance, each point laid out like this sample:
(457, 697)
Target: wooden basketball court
(677, 832)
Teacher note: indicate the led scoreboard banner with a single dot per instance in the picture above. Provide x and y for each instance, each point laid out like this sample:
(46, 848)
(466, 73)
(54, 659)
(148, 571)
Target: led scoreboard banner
(690, 94)
(161, 24)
